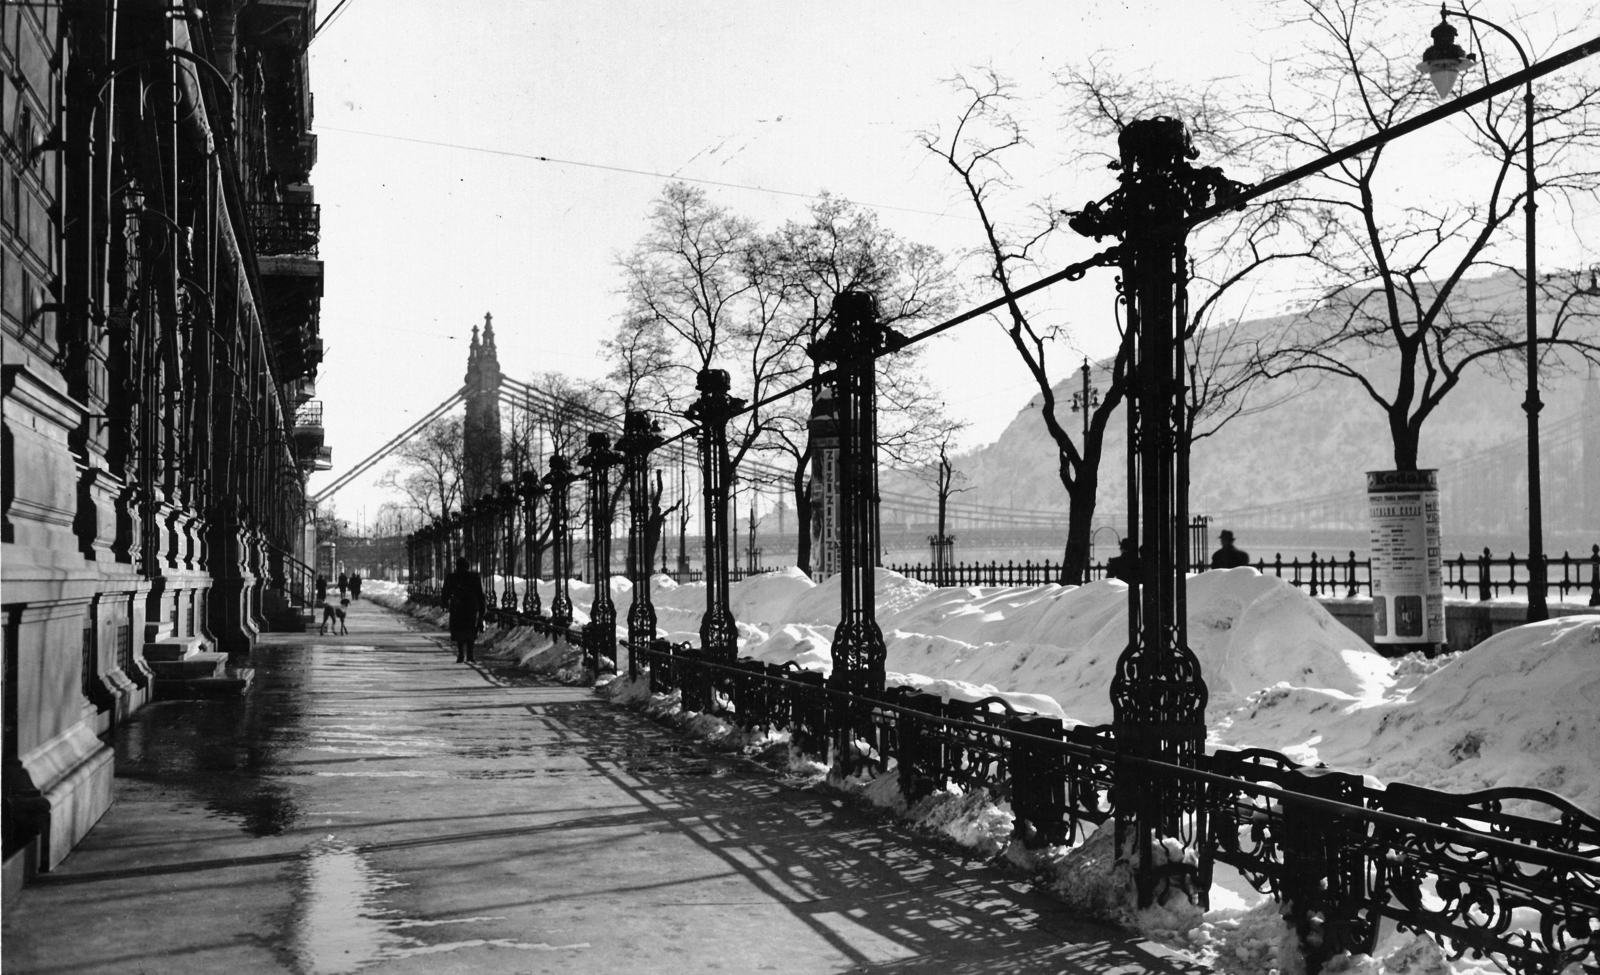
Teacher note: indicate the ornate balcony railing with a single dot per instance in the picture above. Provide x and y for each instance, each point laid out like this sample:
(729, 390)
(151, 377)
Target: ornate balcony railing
(286, 229)
(309, 414)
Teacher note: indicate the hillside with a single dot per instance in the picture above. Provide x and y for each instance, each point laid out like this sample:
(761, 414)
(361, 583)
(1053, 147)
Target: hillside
(1317, 442)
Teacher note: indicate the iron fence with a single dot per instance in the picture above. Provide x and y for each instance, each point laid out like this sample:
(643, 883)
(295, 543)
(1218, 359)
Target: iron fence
(1484, 576)
(1510, 873)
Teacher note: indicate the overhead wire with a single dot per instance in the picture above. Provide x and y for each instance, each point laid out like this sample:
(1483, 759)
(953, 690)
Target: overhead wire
(535, 157)
(326, 21)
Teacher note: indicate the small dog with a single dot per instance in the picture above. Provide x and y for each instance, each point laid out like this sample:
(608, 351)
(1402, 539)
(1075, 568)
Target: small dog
(334, 615)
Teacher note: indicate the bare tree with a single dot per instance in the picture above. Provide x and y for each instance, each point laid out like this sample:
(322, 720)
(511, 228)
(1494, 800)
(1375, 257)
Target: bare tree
(975, 149)
(430, 470)
(707, 289)
(943, 476)
(1389, 312)
(642, 366)
(842, 247)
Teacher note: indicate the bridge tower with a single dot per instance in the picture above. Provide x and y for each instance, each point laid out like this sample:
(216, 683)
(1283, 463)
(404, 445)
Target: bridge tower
(482, 455)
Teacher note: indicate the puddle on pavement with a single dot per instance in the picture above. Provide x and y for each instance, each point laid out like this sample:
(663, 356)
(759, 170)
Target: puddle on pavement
(340, 923)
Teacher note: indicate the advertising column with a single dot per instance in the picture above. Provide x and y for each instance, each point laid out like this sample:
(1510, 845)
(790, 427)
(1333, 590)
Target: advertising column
(1407, 568)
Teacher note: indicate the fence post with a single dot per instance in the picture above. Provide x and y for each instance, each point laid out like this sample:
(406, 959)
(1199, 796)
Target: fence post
(1326, 870)
(719, 634)
(1314, 590)
(639, 438)
(557, 481)
(1038, 782)
(600, 634)
(529, 490)
(483, 528)
(1594, 575)
(855, 338)
(508, 517)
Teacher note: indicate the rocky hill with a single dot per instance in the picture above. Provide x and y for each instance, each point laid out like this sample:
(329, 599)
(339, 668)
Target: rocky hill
(1319, 441)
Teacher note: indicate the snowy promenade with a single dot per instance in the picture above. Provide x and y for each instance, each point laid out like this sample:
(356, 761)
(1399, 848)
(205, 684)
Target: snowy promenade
(373, 806)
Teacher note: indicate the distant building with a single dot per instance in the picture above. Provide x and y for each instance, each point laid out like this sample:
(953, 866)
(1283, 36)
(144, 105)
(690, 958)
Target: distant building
(158, 255)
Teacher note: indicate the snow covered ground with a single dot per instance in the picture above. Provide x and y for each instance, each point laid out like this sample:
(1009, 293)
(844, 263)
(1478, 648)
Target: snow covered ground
(1520, 709)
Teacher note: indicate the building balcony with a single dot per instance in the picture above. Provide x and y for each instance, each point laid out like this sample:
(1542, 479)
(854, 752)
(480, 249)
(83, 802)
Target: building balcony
(323, 461)
(307, 430)
(286, 229)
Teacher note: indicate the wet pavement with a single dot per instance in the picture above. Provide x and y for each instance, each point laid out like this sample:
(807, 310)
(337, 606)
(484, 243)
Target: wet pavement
(373, 806)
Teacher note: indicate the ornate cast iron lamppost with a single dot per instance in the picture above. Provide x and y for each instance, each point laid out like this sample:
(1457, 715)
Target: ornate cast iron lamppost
(600, 635)
(1158, 695)
(719, 635)
(529, 490)
(852, 344)
(557, 481)
(1086, 401)
(639, 438)
(1443, 62)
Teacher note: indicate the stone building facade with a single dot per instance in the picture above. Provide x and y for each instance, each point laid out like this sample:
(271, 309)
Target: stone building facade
(158, 255)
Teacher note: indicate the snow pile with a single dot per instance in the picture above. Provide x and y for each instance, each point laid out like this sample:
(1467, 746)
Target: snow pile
(1520, 709)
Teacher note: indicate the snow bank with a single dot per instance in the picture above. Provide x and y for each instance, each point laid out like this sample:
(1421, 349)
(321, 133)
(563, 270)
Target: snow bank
(1519, 709)
(1051, 648)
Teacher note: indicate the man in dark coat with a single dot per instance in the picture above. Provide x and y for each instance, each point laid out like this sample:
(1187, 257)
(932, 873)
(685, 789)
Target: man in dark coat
(322, 590)
(344, 583)
(1228, 557)
(355, 585)
(1125, 565)
(463, 596)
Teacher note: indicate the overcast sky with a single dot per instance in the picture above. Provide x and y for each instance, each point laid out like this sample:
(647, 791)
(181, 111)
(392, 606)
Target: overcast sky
(435, 211)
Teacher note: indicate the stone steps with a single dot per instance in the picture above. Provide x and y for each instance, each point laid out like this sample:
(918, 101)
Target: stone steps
(230, 683)
(193, 667)
(174, 648)
(187, 673)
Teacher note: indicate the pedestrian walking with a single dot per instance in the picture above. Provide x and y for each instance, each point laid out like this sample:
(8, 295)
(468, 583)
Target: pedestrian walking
(463, 596)
(355, 585)
(1125, 564)
(322, 589)
(344, 584)
(1228, 557)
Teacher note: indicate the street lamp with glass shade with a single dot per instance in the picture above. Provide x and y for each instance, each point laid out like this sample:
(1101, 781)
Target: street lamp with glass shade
(1444, 59)
(1443, 62)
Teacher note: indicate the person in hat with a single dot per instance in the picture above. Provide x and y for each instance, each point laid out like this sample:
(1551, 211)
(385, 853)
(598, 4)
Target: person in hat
(1228, 557)
(463, 596)
(1125, 564)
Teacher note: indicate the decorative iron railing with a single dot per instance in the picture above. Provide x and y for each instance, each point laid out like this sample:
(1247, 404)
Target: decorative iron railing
(286, 229)
(1483, 577)
(1339, 855)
